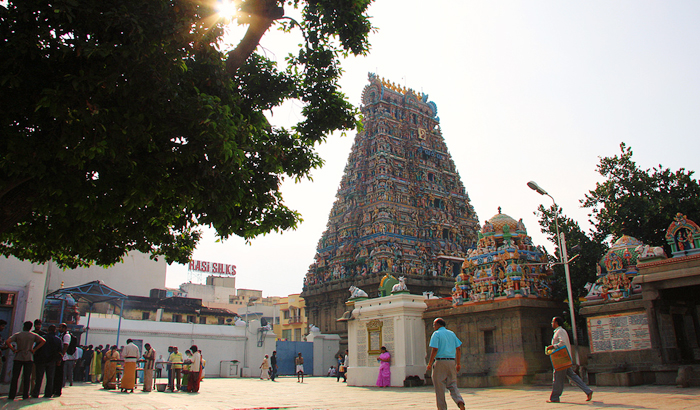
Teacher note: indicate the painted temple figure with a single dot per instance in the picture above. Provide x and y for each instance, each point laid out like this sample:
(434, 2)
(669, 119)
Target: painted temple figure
(504, 265)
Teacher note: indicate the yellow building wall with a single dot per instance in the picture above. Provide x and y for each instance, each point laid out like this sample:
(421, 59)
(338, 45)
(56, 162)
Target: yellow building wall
(292, 318)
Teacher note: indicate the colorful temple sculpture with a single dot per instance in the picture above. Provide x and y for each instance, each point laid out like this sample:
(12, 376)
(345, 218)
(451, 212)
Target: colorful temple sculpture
(618, 267)
(505, 264)
(401, 209)
(642, 313)
(683, 236)
(501, 304)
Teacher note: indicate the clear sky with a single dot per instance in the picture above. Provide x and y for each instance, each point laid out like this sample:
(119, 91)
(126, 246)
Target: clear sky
(525, 90)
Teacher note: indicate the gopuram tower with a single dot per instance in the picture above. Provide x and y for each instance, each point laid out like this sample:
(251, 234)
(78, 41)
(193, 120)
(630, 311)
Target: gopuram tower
(401, 210)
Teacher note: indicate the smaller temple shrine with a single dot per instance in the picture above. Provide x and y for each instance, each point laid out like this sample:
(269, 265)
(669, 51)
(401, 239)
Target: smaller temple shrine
(683, 236)
(505, 264)
(642, 311)
(617, 269)
(501, 306)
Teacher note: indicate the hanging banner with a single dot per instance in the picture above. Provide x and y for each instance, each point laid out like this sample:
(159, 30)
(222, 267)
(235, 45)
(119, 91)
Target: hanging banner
(212, 267)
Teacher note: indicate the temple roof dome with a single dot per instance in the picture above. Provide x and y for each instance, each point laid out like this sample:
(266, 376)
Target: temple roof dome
(621, 256)
(625, 241)
(500, 220)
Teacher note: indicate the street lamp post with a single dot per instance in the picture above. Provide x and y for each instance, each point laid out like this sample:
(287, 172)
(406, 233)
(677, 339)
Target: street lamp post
(564, 258)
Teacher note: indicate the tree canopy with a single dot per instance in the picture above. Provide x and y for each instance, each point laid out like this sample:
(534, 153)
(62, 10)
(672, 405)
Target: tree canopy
(640, 202)
(125, 126)
(630, 201)
(582, 269)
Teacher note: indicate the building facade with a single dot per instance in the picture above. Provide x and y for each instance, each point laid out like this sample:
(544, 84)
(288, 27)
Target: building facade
(643, 311)
(292, 324)
(25, 284)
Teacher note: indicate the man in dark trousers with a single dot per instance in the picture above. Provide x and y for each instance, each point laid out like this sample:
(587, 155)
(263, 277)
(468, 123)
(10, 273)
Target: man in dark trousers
(64, 335)
(273, 366)
(45, 362)
(26, 344)
(87, 361)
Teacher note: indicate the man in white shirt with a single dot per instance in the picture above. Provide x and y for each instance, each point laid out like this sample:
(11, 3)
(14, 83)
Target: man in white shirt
(195, 370)
(561, 338)
(131, 355)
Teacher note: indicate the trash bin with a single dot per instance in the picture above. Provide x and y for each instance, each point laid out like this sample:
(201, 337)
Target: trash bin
(228, 368)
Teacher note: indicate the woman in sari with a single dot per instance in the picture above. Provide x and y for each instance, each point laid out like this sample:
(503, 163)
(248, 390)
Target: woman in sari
(96, 365)
(384, 377)
(109, 380)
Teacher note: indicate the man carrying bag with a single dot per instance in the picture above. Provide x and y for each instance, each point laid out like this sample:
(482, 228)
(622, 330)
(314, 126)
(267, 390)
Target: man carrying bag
(560, 345)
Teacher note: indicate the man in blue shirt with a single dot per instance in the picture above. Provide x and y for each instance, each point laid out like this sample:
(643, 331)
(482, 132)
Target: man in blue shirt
(445, 356)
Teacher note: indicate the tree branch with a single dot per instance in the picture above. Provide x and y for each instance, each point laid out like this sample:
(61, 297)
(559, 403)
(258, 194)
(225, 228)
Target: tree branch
(259, 14)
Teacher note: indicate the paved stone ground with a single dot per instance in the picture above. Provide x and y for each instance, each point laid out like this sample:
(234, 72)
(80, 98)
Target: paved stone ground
(326, 393)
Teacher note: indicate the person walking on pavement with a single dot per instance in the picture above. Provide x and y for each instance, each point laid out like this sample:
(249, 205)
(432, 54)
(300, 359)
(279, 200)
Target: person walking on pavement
(265, 368)
(341, 368)
(299, 363)
(445, 357)
(561, 338)
(273, 366)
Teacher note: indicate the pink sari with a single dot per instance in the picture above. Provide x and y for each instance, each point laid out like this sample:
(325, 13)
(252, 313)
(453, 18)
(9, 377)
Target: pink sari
(384, 377)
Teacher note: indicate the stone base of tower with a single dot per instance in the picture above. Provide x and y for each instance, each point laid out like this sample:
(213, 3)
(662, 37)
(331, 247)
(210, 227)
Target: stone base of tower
(394, 322)
(502, 341)
(325, 302)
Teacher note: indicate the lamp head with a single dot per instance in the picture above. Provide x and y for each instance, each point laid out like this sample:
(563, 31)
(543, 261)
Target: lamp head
(533, 185)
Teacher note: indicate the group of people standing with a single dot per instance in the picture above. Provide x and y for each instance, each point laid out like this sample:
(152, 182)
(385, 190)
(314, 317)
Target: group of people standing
(56, 355)
(185, 372)
(37, 354)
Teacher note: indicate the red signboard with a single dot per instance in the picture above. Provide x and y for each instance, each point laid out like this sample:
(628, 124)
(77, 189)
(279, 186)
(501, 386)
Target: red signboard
(212, 267)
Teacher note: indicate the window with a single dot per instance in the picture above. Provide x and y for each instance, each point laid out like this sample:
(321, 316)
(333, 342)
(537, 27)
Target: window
(287, 334)
(145, 315)
(297, 335)
(489, 346)
(222, 321)
(177, 318)
(203, 320)
(286, 314)
(191, 318)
